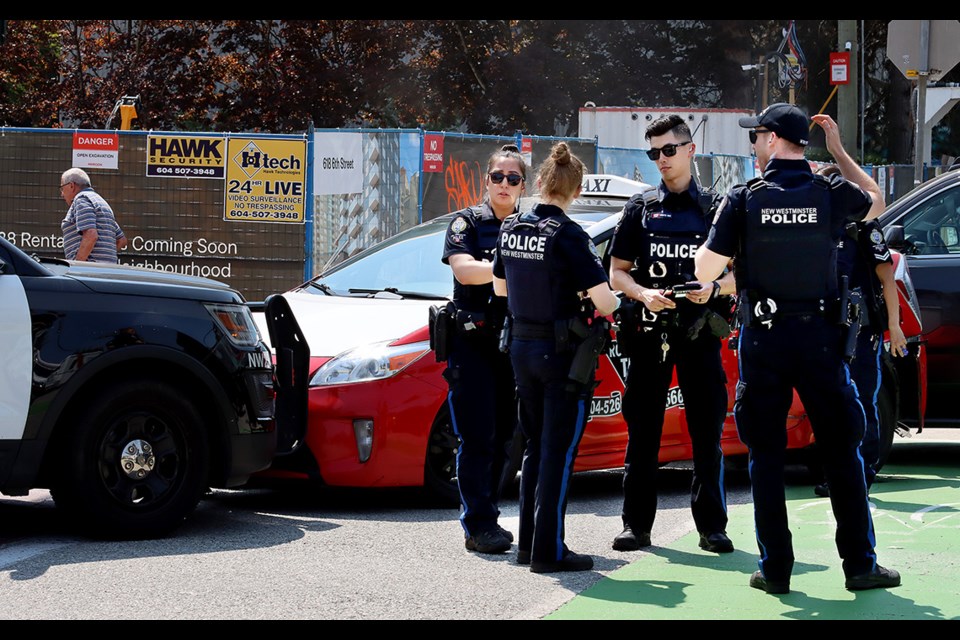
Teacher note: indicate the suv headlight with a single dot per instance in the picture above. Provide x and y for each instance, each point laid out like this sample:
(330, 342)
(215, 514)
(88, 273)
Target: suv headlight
(237, 322)
(368, 362)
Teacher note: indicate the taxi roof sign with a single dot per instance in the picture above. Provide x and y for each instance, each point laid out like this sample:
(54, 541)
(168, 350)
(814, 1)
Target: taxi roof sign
(609, 185)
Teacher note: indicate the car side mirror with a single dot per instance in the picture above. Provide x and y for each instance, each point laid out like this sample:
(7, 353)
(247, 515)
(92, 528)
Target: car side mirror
(894, 236)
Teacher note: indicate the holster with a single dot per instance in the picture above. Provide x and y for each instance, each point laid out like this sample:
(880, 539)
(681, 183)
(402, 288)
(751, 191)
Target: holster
(505, 334)
(588, 351)
(441, 325)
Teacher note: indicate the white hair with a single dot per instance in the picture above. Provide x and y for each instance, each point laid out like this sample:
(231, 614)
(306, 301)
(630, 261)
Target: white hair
(76, 176)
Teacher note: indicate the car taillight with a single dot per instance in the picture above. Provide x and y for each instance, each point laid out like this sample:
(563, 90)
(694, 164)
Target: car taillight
(909, 305)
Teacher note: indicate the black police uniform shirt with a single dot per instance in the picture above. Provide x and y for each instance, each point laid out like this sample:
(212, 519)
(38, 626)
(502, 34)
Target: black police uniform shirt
(663, 250)
(475, 236)
(848, 202)
(574, 266)
(858, 258)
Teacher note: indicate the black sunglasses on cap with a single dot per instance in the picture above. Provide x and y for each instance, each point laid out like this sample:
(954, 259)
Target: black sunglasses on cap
(668, 150)
(753, 134)
(512, 178)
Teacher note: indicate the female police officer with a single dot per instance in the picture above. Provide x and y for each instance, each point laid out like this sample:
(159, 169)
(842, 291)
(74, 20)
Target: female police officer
(545, 261)
(482, 396)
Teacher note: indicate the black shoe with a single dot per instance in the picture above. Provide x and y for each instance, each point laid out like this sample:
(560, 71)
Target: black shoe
(757, 581)
(523, 557)
(879, 578)
(717, 542)
(487, 542)
(506, 534)
(627, 540)
(571, 562)
(822, 490)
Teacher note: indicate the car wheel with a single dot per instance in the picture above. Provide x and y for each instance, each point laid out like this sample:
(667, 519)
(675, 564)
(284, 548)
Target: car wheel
(135, 463)
(440, 467)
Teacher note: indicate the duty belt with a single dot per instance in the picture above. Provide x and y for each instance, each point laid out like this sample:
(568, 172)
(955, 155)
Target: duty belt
(533, 330)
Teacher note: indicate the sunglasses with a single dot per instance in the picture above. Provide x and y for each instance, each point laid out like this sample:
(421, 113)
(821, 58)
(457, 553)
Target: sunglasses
(512, 178)
(754, 133)
(668, 150)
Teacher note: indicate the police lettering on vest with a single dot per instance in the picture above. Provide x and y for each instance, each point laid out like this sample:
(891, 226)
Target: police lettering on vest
(524, 247)
(788, 215)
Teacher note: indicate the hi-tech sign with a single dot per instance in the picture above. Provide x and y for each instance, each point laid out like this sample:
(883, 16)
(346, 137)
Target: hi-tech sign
(265, 180)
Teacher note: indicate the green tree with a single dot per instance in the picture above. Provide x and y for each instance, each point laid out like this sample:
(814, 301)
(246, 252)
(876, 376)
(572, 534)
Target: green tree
(30, 83)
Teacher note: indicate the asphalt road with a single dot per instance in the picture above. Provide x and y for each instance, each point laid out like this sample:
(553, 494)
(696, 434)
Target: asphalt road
(324, 555)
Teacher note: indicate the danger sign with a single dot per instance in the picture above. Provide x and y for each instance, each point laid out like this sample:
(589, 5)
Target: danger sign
(96, 150)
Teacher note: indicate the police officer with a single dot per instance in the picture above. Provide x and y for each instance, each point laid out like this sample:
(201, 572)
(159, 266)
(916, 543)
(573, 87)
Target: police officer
(482, 396)
(652, 251)
(545, 261)
(866, 261)
(782, 231)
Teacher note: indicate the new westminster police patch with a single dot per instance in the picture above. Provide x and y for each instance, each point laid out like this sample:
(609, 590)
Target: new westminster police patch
(456, 230)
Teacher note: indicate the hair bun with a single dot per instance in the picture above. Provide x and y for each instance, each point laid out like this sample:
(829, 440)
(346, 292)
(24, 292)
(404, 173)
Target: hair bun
(561, 153)
(510, 147)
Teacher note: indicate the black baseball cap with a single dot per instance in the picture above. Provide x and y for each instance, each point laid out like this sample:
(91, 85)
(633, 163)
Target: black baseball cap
(786, 120)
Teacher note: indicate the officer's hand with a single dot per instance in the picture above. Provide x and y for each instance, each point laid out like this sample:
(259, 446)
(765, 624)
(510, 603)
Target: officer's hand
(654, 300)
(701, 295)
(898, 343)
(831, 132)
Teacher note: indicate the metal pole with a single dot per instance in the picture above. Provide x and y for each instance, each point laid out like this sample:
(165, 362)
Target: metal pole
(863, 98)
(918, 159)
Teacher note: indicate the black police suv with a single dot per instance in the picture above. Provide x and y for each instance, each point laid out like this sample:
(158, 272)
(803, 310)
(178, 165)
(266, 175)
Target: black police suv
(129, 392)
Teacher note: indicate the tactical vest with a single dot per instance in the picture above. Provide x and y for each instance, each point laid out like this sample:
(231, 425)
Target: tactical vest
(666, 257)
(526, 249)
(789, 250)
(477, 297)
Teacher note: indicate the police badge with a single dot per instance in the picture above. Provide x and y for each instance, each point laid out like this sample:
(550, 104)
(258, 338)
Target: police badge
(876, 237)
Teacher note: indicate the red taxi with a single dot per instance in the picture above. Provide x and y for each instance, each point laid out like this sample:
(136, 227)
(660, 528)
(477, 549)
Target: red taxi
(378, 413)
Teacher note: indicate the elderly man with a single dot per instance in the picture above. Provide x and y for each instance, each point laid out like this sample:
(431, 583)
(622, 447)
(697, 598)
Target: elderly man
(90, 230)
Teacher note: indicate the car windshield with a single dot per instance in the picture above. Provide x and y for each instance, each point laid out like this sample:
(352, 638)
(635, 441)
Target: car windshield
(408, 264)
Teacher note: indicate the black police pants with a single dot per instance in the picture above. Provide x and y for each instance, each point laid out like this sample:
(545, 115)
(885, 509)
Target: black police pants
(553, 415)
(702, 382)
(865, 371)
(802, 352)
(483, 408)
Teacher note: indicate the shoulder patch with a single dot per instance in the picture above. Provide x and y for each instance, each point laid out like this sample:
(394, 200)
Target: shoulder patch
(458, 225)
(875, 236)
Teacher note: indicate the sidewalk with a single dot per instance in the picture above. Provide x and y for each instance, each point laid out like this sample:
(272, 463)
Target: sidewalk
(916, 512)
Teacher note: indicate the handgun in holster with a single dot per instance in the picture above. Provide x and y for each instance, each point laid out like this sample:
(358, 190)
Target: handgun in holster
(585, 358)
(849, 317)
(441, 327)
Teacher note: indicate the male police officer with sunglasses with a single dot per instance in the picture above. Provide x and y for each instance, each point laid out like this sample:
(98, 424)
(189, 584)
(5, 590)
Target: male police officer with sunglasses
(652, 260)
(782, 231)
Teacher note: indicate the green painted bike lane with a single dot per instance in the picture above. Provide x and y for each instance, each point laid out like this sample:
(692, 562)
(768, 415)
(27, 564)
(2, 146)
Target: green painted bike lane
(916, 513)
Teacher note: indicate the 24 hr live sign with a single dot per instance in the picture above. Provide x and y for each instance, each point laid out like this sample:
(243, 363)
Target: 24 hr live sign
(265, 180)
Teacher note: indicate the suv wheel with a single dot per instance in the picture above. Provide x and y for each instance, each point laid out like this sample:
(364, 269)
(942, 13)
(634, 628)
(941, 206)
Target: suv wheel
(135, 463)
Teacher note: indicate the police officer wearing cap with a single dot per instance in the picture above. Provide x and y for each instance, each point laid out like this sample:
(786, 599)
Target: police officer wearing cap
(652, 252)
(782, 230)
(482, 396)
(866, 261)
(544, 262)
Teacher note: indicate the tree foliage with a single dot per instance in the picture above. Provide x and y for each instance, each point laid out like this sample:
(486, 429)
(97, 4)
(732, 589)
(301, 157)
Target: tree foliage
(478, 76)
